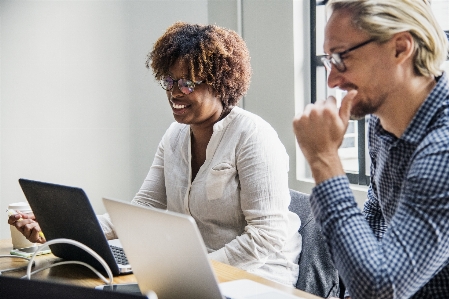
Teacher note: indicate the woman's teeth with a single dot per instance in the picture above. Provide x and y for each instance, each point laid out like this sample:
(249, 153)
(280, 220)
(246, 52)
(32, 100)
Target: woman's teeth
(178, 106)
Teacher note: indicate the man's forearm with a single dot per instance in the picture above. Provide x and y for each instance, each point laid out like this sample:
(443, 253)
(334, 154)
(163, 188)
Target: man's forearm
(326, 167)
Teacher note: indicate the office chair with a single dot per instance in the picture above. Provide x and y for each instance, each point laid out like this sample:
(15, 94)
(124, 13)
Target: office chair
(317, 274)
(13, 287)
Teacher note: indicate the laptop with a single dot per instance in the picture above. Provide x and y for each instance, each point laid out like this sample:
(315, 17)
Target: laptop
(169, 256)
(13, 287)
(66, 212)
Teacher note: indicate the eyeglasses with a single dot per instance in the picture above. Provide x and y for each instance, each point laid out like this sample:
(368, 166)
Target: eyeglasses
(184, 85)
(337, 60)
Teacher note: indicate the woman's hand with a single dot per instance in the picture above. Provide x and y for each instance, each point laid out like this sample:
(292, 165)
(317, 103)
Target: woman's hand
(28, 226)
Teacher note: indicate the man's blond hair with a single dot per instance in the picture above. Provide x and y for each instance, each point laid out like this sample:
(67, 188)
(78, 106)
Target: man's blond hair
(381, 19)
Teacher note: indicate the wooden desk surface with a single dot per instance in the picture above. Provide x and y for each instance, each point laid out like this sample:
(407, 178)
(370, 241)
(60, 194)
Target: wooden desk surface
(82, 276)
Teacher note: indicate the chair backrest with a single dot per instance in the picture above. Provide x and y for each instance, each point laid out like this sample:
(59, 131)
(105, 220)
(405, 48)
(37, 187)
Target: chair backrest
(317, 273)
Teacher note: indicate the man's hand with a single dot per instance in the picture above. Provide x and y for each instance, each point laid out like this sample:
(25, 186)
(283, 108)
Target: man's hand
(319, 131)
(27, 225)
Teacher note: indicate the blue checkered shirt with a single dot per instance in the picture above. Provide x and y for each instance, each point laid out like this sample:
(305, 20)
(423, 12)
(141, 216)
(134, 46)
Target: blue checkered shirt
(399, 246)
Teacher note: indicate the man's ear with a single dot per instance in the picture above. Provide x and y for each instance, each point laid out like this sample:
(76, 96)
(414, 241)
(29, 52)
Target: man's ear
(404, 45)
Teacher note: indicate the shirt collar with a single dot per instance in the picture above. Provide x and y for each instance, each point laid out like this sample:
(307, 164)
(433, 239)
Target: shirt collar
(436, 100)
(222, 124)
(417, 129)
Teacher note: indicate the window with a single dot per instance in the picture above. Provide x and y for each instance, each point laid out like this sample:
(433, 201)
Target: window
(440, 9)
(353, 151)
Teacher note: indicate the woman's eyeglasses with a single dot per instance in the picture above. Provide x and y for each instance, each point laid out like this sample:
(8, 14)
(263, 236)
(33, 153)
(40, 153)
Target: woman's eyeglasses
(336, 60)
(184, 85)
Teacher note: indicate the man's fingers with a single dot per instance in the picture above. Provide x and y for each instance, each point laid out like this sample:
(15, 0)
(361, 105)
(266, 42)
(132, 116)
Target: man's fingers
(346, 105)
(332, 100)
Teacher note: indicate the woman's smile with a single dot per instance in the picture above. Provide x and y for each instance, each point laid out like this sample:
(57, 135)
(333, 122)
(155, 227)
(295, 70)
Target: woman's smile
(178, 108)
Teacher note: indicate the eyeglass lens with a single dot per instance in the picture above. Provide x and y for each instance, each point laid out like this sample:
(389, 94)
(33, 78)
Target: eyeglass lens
(329, 61)
(336, 59)
(186, 86)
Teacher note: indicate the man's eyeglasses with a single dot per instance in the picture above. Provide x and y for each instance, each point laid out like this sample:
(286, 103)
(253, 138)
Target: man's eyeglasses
(336, 60)
(184, 85)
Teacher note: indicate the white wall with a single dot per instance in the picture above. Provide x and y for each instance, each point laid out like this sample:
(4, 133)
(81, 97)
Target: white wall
(78, 107)
(268, 31)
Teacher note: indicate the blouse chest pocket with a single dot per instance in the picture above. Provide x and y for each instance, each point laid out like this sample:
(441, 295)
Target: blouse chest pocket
(218, 178)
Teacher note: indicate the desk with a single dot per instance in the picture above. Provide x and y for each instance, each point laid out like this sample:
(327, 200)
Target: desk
(82, 276)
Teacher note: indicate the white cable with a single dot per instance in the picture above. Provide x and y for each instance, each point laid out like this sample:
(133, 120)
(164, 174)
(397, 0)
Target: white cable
(149, 295)
(13, 269)
(76, 243)
(72, 262)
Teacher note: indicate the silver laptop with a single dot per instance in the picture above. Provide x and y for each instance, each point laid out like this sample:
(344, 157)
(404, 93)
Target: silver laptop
(66, 212)
(169, 256)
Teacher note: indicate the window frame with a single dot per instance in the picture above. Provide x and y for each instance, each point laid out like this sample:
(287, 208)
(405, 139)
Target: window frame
(359, 178)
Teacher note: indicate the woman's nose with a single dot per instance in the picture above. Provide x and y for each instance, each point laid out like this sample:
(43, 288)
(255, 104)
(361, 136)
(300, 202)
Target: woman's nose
(175, 91)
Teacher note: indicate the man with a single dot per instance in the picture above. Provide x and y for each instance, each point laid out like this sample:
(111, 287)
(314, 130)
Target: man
(387, 55)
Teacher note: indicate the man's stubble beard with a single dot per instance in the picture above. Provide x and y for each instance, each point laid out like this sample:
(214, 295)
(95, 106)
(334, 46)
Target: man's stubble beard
(366, 106)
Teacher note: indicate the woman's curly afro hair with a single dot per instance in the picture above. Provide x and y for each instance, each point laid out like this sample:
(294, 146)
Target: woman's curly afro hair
(216, 55)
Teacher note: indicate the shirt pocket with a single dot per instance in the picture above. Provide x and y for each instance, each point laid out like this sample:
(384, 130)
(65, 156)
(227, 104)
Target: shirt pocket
(218, 178)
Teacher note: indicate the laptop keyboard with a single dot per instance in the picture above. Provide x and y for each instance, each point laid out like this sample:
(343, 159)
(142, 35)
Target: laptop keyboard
(119, 255)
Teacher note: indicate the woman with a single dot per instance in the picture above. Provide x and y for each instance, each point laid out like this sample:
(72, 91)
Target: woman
(222, 165)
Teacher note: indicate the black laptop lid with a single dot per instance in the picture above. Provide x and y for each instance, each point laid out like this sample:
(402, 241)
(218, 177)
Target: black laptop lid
(33, 289)
(65, 212)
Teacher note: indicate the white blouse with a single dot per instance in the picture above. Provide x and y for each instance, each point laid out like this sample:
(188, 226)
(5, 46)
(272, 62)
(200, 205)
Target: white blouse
(239, 198)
